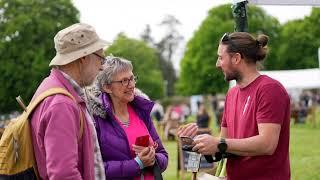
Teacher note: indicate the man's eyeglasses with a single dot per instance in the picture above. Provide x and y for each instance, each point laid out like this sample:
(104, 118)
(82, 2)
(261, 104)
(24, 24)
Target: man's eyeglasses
(126, 81)
(103, 59)
(227, 39)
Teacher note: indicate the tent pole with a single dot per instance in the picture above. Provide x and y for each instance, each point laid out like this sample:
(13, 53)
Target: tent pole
(319, 57)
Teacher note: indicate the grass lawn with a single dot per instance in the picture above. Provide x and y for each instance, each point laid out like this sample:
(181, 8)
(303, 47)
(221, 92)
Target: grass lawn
(304, 153)
(171, 172)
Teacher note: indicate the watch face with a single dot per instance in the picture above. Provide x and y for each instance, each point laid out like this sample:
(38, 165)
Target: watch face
(222, 146)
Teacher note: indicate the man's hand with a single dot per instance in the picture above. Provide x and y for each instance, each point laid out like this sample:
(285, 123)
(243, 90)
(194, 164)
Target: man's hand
(205, 144)
(189, 130)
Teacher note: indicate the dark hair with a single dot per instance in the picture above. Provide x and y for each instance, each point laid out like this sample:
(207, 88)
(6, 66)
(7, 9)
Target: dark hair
(250, 48)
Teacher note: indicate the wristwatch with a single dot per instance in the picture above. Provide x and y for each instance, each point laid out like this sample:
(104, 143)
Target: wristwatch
(222, 146)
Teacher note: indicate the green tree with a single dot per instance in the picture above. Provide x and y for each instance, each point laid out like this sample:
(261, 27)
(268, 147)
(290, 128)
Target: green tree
(198, 72)
(145, 63)
(166, 48)
(300, 42)
(27, 28)
(146, 36)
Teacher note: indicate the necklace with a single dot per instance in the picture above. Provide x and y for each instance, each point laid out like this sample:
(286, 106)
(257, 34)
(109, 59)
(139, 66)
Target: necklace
(124, 122)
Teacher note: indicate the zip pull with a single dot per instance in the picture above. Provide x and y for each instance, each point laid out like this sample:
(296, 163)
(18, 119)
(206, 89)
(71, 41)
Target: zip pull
(16, 149)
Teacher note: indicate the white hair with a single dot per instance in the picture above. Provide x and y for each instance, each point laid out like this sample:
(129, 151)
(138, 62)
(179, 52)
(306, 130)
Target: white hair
(112, 66)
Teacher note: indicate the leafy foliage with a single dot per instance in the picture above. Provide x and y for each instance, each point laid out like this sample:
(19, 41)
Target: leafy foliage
(166, 48)
(27, 28)
(145, 64)
(198, 72)
(300, 42)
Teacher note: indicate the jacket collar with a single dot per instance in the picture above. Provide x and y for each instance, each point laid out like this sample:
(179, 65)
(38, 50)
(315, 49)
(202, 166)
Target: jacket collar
(139, 103)
(55, 73)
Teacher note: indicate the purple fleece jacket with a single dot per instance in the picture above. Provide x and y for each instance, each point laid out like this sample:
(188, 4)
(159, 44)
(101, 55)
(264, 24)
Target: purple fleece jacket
(114, 144)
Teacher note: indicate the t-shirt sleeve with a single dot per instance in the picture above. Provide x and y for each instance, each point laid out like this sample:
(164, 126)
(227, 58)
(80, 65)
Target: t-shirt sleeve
(224, 121)
(224, 115)
(272, 104)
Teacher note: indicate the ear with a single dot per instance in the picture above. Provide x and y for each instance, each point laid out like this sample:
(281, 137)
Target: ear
(82, 60)
(236, 58)
(107, 88)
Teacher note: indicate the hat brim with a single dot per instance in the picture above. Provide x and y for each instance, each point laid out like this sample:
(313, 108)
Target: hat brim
(63, 59)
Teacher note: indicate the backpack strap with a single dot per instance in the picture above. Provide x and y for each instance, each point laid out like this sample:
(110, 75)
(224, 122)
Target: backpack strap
(50, 92)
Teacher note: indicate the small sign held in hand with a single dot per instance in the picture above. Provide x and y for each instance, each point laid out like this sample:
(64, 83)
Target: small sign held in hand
(193, 162)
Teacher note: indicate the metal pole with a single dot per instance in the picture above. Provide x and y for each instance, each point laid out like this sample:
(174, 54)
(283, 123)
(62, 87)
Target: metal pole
(319, 56)
(239, 13)
(194, 175)
(165, 88)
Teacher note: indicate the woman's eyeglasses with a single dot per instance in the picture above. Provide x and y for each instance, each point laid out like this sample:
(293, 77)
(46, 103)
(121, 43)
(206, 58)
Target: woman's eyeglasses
(126, 81)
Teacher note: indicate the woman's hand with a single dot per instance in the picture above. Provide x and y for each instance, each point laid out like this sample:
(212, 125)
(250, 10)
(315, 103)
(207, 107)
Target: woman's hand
(147, 156)
(137, 149)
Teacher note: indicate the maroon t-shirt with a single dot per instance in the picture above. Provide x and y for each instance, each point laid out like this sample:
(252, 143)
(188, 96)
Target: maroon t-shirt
(263, 101)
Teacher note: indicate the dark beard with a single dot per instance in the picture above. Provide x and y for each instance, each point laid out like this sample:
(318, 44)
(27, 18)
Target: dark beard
(235, 75)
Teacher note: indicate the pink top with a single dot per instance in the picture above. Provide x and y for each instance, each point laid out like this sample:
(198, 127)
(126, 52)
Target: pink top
(135, 129)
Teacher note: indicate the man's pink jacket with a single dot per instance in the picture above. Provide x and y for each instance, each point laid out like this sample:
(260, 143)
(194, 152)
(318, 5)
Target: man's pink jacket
(55, 126)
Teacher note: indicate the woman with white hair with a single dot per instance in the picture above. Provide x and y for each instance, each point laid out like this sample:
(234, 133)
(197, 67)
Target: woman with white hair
(121, 118)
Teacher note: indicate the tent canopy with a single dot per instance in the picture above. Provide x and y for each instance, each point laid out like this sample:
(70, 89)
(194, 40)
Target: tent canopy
(294, 79)
(286, 2)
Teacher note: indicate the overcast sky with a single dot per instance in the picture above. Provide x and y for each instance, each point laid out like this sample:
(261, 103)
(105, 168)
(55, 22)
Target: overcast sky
(110, 17)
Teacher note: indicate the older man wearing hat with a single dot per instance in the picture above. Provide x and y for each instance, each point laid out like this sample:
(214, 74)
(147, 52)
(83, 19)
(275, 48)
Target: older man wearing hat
(60, 153)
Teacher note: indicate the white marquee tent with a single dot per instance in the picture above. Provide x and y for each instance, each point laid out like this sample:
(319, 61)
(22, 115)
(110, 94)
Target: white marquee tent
(285, 2)
(295, 80)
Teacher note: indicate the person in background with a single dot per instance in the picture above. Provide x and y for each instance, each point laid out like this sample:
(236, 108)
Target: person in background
(171, 122)
(120, 118)
(203, 117)
(256, 120)
(220, 112)
(157, 111)
(185, 111)
(55, 123)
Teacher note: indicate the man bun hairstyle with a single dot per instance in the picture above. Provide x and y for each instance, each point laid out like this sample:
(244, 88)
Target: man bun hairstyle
(250, 48)
(262, 49)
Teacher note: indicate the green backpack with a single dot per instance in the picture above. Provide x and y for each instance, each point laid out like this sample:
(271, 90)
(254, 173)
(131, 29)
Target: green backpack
(17, 160)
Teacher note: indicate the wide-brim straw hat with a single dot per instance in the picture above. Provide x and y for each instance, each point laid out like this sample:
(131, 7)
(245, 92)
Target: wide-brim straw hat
(76, 41)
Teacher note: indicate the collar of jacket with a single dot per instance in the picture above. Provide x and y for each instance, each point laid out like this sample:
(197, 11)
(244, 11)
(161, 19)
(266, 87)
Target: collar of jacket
(57, 74)
(139, 103)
